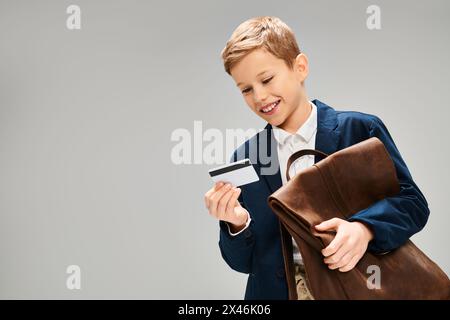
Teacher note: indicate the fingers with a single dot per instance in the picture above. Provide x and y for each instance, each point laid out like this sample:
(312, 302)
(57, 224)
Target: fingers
(336, 244)
(339, 262)
(232, 202)
(331, 224)
(215, 198)
(347, 247)
(223, 202)
(338, 255)
(208, 194)
(353, 262)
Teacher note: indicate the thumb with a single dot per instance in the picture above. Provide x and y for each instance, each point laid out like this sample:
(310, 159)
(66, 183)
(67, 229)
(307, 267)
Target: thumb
(238, 208)
(331, 224)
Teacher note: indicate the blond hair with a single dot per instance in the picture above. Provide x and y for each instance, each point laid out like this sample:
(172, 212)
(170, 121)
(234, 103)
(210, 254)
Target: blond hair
(269, 33)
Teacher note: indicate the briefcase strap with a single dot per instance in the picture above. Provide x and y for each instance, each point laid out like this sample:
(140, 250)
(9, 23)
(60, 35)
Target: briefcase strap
(301, 153)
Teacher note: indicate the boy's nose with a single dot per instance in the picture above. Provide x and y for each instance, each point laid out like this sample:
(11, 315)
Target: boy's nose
(260, 96)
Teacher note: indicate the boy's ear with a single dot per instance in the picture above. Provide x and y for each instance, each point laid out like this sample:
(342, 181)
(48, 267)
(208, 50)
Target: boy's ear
(301, 67)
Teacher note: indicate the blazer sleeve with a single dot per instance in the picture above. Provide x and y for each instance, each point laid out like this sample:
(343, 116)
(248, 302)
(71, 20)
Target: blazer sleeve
(237, 250)
(394, 219)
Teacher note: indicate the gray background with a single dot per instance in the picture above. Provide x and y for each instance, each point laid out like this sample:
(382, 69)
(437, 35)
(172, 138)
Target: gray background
(86, 118)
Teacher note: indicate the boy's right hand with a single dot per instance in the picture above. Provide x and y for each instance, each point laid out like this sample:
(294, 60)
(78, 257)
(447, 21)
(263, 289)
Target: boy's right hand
(221, 202)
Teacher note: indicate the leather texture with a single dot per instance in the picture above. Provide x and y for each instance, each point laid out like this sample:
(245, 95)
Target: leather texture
(339, 186)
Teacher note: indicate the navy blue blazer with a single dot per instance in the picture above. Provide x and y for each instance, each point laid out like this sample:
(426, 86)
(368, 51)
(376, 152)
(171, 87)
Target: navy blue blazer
(257, 250)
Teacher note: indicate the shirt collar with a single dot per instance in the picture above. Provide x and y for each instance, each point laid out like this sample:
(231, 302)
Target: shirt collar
(305, 132)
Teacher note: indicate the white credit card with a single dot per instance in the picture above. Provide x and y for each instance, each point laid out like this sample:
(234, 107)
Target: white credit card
(237, 173)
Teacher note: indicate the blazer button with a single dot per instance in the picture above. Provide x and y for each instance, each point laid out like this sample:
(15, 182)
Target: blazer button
(247, 233)
(280, 273)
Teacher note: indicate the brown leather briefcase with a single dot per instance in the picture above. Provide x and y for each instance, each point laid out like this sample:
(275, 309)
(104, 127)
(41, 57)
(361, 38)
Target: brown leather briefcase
(339, 186)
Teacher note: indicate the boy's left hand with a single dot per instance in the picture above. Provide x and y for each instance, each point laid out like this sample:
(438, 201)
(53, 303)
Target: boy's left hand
(349, 244)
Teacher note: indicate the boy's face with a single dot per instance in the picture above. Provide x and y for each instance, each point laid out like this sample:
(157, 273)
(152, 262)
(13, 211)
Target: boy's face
(270, 88)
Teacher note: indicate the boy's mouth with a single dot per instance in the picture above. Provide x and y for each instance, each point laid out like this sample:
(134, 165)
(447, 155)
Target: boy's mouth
(270, 108)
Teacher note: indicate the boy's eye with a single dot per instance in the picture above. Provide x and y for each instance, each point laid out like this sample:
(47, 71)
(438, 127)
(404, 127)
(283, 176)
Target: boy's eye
(267, 80)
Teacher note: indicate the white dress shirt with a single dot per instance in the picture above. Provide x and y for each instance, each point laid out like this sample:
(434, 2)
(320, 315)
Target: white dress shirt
(287, 144)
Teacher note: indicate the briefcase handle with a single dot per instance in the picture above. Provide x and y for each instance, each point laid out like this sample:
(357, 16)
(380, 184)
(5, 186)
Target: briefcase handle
(301, 153)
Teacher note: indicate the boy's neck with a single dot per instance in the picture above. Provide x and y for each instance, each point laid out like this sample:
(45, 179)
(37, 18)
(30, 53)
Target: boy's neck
(298, 117)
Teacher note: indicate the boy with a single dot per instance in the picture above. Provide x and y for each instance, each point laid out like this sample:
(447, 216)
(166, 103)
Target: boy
(264, 60)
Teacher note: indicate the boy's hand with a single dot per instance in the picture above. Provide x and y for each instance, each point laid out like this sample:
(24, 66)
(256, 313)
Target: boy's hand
(349, 244)
(221, 202)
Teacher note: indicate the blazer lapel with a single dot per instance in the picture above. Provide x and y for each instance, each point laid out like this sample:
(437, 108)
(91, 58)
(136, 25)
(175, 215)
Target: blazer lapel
(327, 136)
